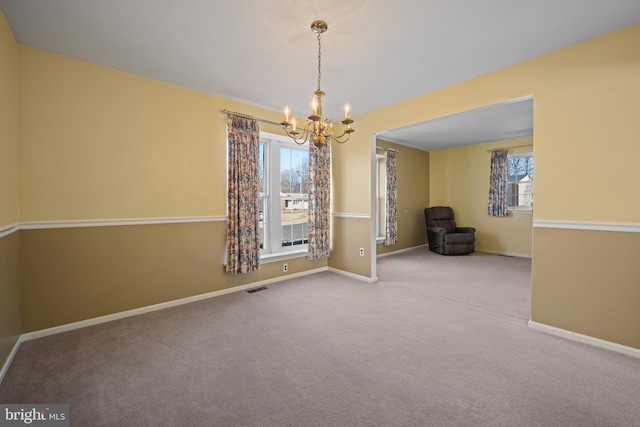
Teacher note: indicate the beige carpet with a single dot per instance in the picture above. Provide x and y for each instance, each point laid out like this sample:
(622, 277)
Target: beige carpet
(438, 341)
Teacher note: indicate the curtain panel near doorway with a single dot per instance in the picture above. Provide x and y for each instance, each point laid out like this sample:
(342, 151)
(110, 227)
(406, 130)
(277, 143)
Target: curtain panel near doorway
(391, 228)
(243, 242)
(319, 201)
(498, 184)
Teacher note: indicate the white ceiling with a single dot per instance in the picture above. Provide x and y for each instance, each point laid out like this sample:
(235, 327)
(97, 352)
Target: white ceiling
(507, 120)
(376, 52)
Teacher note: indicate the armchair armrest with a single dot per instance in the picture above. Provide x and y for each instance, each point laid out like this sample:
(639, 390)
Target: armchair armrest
(435, 237)
(437, 231)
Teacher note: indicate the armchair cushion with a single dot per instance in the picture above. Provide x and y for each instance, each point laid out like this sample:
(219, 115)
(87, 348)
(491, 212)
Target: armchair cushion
(458, 238)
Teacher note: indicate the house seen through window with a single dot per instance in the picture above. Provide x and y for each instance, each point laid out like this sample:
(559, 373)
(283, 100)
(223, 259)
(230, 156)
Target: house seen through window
(520, 182)
(283, 195)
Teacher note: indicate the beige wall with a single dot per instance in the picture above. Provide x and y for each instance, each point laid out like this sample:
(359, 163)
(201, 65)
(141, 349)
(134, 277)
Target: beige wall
(9, 244)
(589, 283)
(586, 103)
(8, 126)
(10, 327)
(103, 144)
(74, 274)
(460, 178)
(412, 180)
(349, 234)
(98, 143)
(350, 203)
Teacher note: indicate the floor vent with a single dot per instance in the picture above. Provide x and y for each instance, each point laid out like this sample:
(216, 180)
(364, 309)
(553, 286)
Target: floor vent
(261, 288)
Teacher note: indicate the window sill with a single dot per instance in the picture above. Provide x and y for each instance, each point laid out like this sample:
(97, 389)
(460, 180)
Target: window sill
(516, 211)
(269, 258)
(380, 240)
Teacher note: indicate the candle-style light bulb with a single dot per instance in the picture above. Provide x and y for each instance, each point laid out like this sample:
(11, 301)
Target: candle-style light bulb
(293, 124)
(314, 106)
(286, 113)
(346, 111)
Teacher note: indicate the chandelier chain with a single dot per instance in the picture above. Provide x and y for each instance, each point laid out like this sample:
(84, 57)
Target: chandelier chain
(319, 60)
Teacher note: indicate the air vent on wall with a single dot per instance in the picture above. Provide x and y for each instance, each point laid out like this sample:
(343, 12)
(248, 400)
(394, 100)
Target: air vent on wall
(261, 288)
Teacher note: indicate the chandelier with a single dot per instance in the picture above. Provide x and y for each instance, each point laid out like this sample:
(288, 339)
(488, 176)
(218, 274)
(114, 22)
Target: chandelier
(316, 129)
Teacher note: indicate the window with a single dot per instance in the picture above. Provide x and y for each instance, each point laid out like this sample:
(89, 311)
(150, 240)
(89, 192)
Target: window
(520, 182)
(283, 195)
(381, 192)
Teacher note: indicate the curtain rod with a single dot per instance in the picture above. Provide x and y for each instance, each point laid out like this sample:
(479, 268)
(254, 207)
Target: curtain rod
(384, 148)
(246, 116)
(508, 148)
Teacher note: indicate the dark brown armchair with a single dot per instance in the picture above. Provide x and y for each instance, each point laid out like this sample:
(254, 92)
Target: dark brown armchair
(443, 235)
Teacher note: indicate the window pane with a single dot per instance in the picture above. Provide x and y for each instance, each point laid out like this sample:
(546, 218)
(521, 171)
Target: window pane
(261, 182)
(520, 181)
(261, 193)
(261, 228)
(294, 198)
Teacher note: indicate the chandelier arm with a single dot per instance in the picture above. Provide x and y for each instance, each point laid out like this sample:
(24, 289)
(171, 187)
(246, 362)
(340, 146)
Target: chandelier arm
(307, 131)
(347, 131)
(294, 136)
(299, 138)
(297, 141)
(336, 137)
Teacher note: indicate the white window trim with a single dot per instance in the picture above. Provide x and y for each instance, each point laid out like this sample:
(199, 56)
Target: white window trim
(520, 155)
(521, 210)
(517, 210)
(276, 252)
(282, 256)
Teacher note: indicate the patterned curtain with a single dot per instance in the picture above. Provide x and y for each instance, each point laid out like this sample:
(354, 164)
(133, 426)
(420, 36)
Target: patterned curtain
(319, 191)
(498, 184)
(243, 242)
(391, 229)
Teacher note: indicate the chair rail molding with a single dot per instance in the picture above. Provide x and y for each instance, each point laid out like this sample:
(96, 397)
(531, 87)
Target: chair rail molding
(351, 215)
(5, 230)
(588, 225)
(42, 225)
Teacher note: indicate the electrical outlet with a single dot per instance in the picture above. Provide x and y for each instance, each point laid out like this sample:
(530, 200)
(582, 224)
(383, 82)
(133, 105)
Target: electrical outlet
(285, 267)
(361, 251)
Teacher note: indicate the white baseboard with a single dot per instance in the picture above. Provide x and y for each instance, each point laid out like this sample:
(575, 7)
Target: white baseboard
(585, 339)
(9, 360)
(485, 251)
(563, 333)
(148, 309)
(399, 251)
(354, 276)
